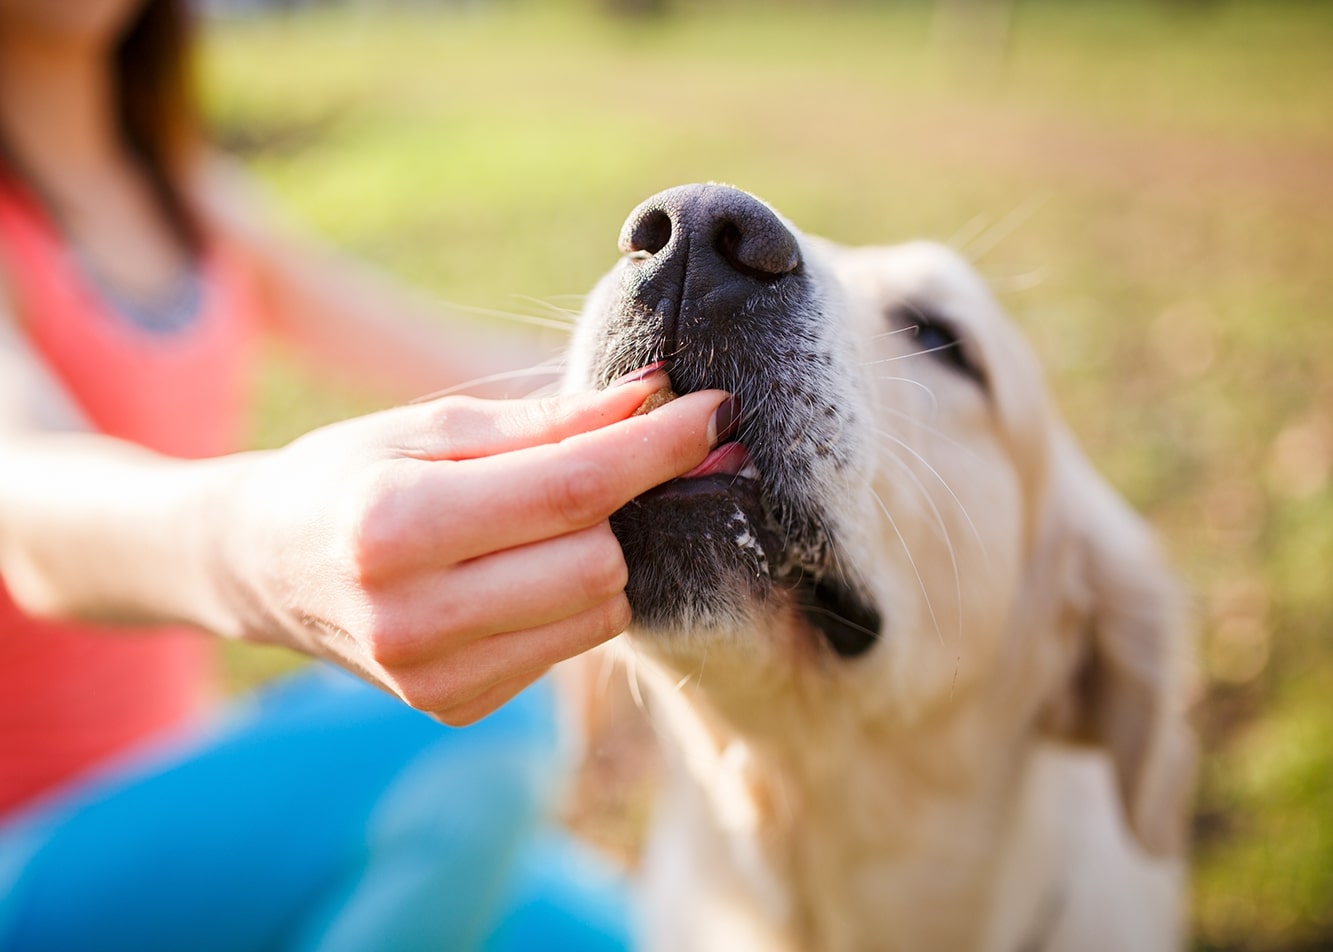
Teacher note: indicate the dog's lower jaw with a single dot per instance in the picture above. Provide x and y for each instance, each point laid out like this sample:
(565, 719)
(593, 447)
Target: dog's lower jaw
(748, 839)
(796, 832)
(705, 558)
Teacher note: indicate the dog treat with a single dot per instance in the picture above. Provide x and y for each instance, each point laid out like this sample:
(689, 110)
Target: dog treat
(656, 399)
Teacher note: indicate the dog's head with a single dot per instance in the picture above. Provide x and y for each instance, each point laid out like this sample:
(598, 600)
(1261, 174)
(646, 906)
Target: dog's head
(900, 525)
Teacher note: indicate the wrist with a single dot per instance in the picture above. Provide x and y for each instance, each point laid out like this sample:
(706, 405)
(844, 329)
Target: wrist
(212, 593)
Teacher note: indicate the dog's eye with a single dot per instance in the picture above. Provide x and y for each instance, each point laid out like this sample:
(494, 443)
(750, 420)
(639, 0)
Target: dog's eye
(936, 336)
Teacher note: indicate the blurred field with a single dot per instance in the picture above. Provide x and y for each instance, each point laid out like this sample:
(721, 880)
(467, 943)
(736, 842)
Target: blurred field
(1149, 187)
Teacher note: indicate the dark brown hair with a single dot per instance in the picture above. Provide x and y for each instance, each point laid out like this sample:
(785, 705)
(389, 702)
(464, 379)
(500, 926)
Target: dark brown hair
(156, 113)
(155, 101)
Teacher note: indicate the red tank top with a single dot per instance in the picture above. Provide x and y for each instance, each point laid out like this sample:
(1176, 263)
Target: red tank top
(71, 694)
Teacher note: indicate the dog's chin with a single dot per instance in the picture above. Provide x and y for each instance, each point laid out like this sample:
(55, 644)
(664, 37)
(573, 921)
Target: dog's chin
(699, 556)
(706, 560)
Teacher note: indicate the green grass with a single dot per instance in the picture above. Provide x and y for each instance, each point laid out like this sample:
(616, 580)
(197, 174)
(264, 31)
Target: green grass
(1157, 181)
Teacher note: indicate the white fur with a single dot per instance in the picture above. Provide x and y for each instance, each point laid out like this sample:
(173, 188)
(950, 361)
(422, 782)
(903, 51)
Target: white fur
(1008, 769)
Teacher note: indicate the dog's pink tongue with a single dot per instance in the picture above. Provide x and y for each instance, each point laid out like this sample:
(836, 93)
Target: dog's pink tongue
(728, 459)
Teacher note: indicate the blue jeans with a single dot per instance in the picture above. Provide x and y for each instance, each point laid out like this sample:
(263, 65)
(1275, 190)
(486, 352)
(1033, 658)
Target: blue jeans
(322, 815)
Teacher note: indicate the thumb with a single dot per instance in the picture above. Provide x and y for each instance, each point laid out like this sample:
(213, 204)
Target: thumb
(459, 428)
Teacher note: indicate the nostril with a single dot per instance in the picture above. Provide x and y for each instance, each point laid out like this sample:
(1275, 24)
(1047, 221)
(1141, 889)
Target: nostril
(760, 252)
(649, 234)
(710, 233)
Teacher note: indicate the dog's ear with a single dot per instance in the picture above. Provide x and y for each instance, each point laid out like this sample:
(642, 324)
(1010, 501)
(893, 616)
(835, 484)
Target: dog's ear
(1125, 686)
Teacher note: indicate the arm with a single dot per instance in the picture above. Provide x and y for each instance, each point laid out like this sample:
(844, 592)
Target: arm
(448, 552)
(349, 319)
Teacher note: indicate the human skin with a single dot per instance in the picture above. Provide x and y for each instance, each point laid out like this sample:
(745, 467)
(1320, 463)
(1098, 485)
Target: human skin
(448, 551)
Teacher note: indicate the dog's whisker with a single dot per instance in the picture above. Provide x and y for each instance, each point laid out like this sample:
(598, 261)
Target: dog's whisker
(1017, 281)
(917, 311)
(833, 554)
(947, 488)
(635, 686)
(632, 679)
(907, 550)
(874, 338)
(550, 369)
(546, 390)
(563, 314)
(605, 671)
(971, 230)
(944, 534)
(933, 431)
(910, 354)
(579, 298)
(532, 320)
(830, 613)
(986, 242)
(934, 400)
(748, 416)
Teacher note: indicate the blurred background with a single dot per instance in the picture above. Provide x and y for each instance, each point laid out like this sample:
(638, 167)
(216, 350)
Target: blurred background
(1148, 186)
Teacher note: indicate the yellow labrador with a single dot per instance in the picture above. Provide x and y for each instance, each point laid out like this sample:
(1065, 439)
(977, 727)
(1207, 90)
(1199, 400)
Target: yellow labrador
(918, 666)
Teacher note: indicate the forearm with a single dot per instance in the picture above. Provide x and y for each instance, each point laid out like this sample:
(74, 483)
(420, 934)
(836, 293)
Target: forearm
(380, 335)
(351, 320)
(95, 528)
(449, 551)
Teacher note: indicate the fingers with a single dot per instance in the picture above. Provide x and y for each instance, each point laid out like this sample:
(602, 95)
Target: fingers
(513, 590)
(478, 517)
(488, 701)
(445, 512)
(460, 428)
(498, 502)
(453, 681)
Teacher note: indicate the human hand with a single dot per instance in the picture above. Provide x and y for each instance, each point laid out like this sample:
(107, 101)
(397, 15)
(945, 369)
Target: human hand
(452, 551)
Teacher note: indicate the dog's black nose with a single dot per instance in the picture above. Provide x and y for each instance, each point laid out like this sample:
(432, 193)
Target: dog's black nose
(698, 254)
(712, 222)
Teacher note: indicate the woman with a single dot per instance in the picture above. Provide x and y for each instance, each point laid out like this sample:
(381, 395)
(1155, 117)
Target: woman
(447, 552)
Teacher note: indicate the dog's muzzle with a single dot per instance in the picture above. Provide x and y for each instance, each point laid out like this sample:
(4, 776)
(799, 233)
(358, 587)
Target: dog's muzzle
(714, 283)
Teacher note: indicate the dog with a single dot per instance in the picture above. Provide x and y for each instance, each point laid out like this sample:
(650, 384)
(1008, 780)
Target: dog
(919, 671)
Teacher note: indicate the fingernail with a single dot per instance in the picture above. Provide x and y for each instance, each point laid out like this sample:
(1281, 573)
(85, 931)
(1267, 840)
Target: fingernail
(724, 422)
(634, 376)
